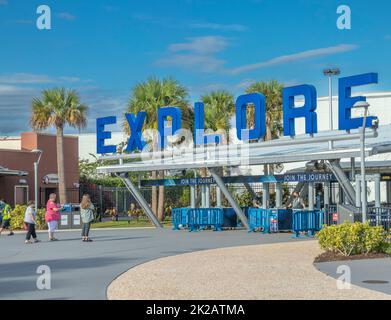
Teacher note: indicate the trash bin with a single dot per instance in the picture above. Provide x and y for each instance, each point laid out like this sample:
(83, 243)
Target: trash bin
(65, 218)
(76, 218)
(70, 217)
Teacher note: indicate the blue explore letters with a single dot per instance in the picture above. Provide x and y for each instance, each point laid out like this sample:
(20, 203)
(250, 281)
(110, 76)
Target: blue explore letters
(256, 100)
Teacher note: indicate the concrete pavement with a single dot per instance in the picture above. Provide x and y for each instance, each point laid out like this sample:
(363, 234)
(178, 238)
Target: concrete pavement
(268, 271)
(84, 270)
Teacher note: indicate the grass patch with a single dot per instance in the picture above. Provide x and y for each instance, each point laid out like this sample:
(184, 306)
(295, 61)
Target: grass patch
(126, 224)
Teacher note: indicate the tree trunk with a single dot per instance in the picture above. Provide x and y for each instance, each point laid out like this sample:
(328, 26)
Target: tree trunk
(154, 201)
(60, 166)
(160, 210)
(154, 195)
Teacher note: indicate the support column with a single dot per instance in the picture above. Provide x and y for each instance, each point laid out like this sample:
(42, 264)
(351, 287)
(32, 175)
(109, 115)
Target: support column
(377, 192)
(358, 192)
(207, 196)
(218, 197)
(326, 188)
(250, 190)
(265, 196)
(278, 195)
(192, 196)
(311, 195)
(388, 186)
(352, 168)
(229, 197)
(203, 196)
(141, 201)
(343, 180)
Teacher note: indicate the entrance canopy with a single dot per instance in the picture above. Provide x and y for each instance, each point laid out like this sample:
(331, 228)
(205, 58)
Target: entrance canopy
(284, 150)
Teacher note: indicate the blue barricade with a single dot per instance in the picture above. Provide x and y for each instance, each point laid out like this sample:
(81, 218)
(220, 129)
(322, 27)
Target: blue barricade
(285, 220)
(307, 221)
(230, 219)
(259, 219)
(203, 218)
(270, 220)
(180, 218)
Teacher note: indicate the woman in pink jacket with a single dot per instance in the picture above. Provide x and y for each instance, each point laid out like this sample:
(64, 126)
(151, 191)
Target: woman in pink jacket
(52, 215)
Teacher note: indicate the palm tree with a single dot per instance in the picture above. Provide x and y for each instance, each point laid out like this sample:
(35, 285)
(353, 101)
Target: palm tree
(148, 96)
(273, 93)
(219, 108)
(57, 108)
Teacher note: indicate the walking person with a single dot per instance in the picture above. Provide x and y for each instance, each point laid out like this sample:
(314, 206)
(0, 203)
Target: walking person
(2, 206)
(297, 202)
(87, 216)
(52, 215)
(30, 217)
(6, 219)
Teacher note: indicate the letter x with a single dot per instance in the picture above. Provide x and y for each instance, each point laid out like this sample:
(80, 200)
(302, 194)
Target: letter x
(136, 123)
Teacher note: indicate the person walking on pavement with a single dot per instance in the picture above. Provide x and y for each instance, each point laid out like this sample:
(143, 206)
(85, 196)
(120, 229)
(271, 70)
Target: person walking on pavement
(52, 215)
(30, 217)
(6, 219)
(87, 216)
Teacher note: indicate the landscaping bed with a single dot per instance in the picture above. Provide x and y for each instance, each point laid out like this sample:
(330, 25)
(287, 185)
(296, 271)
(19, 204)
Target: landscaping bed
(355, 241)
(333, 256)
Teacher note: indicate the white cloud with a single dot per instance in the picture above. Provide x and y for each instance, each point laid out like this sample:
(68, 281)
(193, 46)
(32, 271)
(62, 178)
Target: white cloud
(28, 78)
(388, 37)
(15, 107)
(218, 27)
(293, 57)
(3, 2)
(201, 45)
(66, 16)
(197, 53)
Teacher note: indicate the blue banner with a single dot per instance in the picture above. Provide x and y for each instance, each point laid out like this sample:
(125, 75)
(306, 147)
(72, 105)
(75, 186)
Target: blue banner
(284, 178)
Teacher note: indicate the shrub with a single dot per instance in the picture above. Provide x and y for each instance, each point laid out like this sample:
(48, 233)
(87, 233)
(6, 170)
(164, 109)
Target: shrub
(17, 218)
(352, 239)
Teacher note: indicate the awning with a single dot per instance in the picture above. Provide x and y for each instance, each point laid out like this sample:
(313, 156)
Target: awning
(9, 172)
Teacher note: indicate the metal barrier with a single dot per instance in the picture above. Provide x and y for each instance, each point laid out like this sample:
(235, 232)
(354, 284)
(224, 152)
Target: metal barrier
(230, 218)
(284, 218)
(307, 221)
(331, 215)
(203, 218)
(269, 220)
(259, 220)
(180, 218)
(379, 217)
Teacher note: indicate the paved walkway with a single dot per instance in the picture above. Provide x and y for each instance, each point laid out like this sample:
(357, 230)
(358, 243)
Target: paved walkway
(84, 270)
(374, 274)
(268, 271)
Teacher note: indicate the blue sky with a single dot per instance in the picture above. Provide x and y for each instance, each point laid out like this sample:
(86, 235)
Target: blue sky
(103, 48)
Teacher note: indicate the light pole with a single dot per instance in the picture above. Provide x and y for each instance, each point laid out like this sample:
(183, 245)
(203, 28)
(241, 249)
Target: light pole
(36, 176)
(365, 105)
(330, 73)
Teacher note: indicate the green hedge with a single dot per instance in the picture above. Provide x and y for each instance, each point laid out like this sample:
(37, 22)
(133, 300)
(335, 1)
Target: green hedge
(17, 218)
(352, 239)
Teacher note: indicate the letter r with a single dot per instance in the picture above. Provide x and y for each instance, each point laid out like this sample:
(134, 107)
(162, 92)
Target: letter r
(307, 111)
